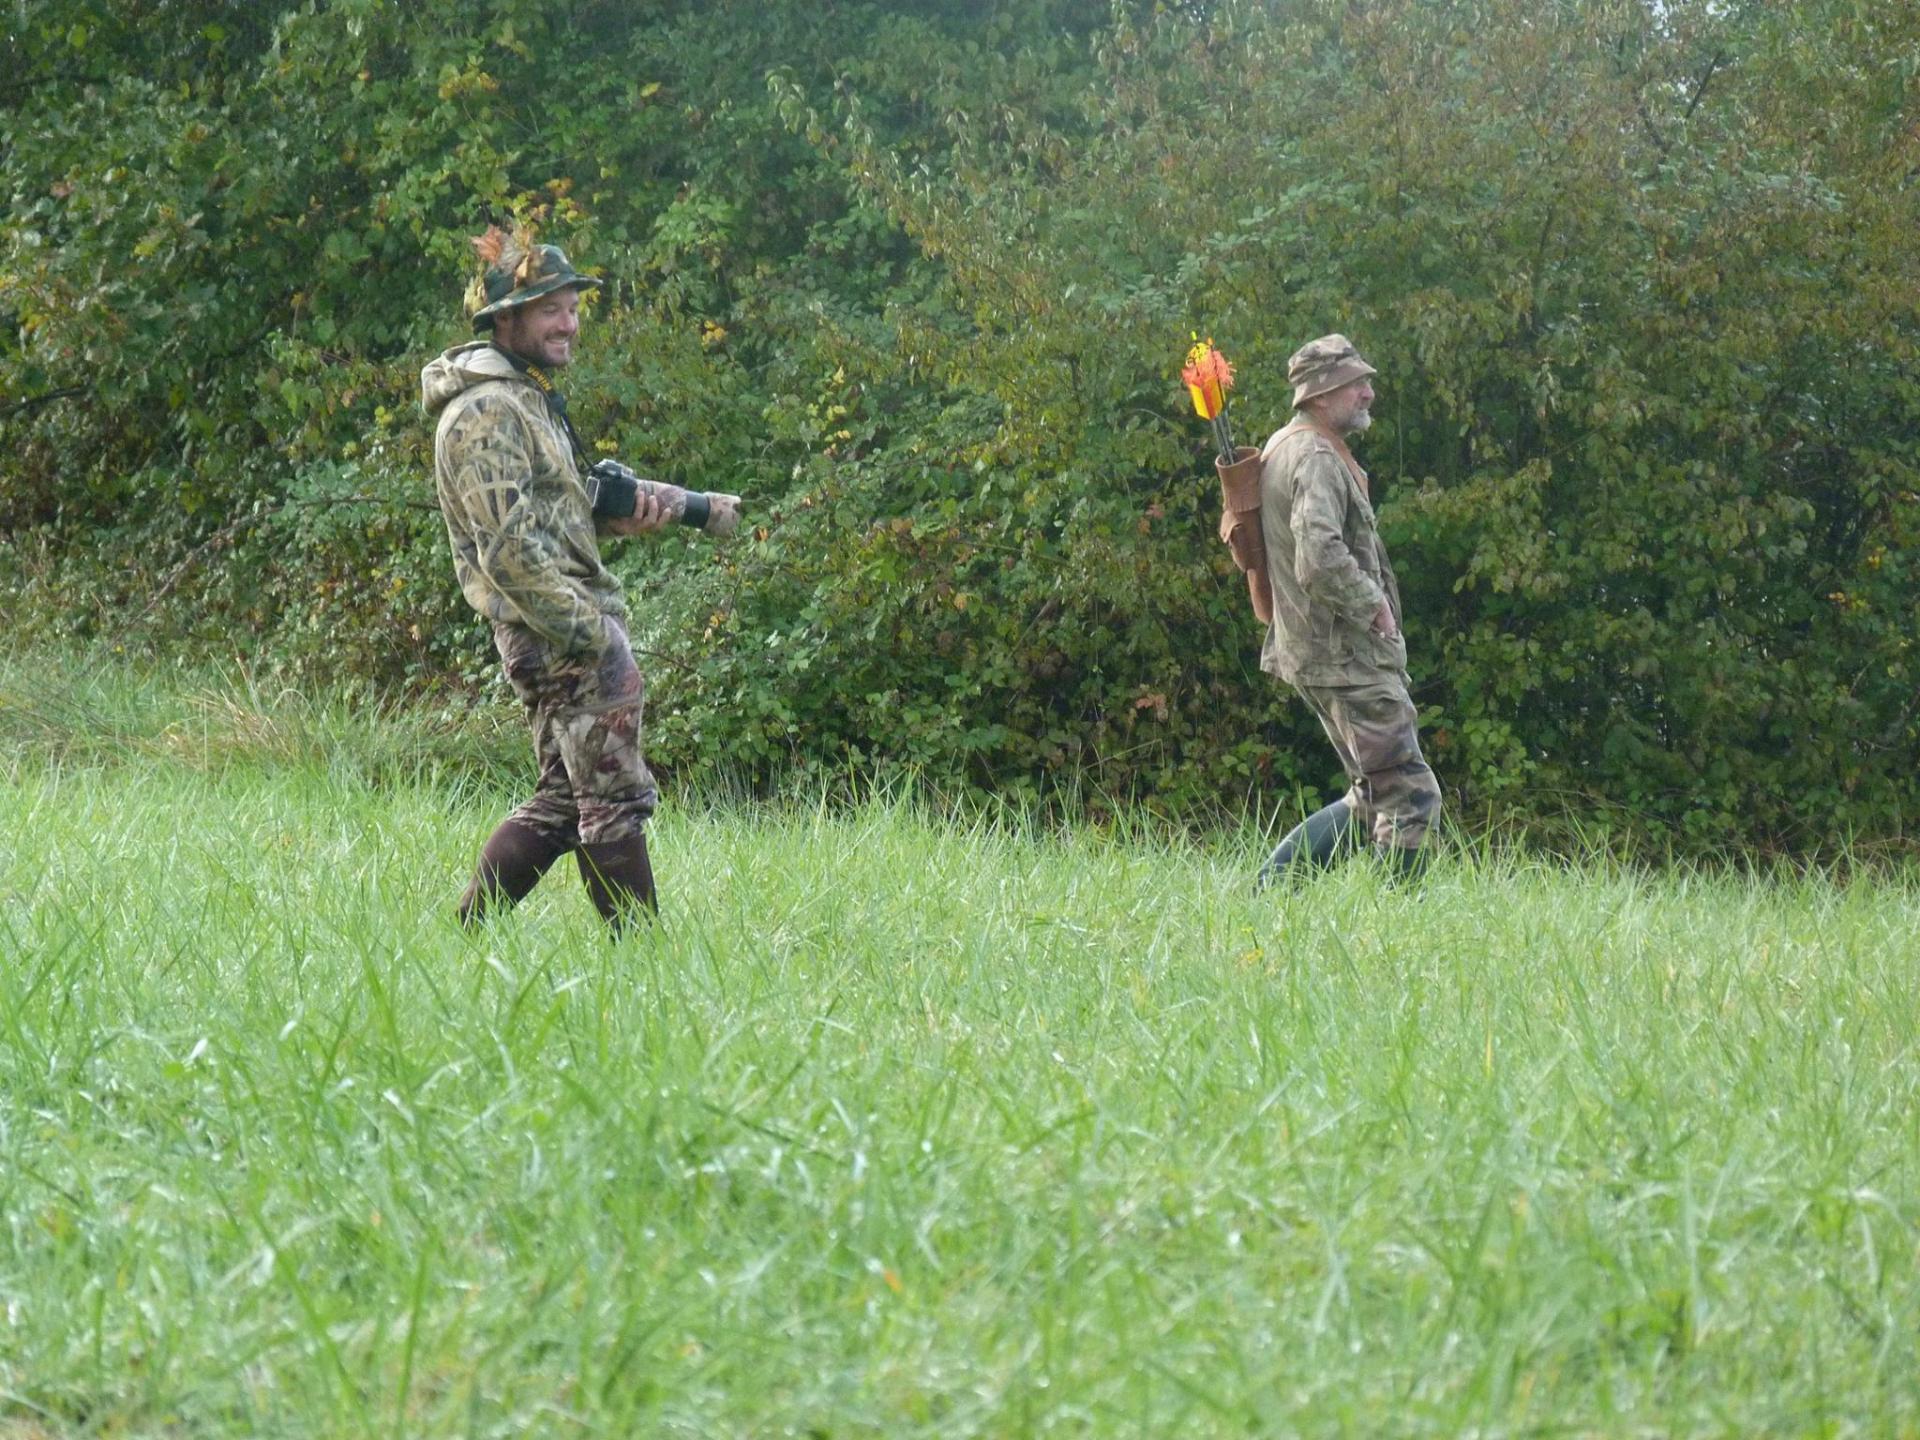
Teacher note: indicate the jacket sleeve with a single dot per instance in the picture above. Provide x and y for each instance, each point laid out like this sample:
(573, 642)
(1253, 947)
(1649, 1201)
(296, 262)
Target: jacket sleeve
(1325, 568)
(490, 465)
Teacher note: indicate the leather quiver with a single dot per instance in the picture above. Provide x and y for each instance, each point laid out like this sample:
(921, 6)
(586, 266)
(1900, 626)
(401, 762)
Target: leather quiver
(1240, 525)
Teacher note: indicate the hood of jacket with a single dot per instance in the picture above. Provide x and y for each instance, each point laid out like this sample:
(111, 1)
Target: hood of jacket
(459, 370)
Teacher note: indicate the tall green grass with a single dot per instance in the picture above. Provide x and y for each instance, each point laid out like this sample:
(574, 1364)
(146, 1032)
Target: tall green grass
(898, 1127)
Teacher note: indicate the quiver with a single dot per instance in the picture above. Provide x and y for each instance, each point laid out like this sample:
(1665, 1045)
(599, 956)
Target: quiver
(1240, 525)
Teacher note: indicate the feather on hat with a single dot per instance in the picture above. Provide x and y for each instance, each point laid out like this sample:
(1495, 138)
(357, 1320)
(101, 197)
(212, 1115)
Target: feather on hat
(515, 270)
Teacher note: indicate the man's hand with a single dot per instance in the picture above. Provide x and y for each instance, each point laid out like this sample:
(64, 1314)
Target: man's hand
(1383, 623)
(648, 514)
(723, 514)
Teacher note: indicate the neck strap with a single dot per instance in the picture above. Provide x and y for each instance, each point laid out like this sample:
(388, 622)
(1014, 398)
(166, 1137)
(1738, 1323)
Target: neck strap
(556, 402)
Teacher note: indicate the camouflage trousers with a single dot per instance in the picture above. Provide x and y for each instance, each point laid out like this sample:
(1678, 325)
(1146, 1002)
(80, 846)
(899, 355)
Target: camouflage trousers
(1375, 730)
(594, 785)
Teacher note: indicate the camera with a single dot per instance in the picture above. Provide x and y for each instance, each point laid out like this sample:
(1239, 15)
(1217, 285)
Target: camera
(615, 492)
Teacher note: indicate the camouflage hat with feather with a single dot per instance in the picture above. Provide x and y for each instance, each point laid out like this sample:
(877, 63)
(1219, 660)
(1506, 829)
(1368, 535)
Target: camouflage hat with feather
(514, 271)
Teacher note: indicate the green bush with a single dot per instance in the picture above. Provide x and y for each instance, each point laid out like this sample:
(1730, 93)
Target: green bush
(916, 279)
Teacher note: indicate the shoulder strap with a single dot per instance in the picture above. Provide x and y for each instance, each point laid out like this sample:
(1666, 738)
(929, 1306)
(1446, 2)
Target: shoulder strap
(1273, 440)
(1339, 445)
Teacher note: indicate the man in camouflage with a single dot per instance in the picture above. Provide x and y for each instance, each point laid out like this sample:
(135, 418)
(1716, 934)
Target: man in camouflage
(524, 516)
(1335, 635)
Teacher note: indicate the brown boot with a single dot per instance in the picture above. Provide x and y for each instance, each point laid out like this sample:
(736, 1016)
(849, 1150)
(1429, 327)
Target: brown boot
(619, 879)
(511, 863)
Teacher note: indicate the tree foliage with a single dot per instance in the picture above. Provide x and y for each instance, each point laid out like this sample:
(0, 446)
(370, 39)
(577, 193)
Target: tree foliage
(1639, 279)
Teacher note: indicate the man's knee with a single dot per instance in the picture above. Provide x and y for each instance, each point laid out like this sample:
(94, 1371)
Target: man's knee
(552, 816)
(618, 816)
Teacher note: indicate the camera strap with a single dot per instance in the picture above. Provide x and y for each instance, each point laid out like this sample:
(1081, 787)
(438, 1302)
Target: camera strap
(556, 403)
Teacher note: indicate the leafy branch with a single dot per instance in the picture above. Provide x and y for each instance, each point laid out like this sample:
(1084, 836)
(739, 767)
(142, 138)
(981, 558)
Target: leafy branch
(34, 402)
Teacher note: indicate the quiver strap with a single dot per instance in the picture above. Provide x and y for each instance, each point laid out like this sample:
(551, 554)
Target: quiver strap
(1240, 524)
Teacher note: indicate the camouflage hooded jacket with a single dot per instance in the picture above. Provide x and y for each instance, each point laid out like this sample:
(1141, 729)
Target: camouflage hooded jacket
(517, 513)
(1327, 565)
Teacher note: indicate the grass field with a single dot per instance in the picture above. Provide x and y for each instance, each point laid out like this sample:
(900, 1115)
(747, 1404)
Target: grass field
(900, 1129)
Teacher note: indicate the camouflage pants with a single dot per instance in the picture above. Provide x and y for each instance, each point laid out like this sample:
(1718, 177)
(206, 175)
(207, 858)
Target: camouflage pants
(1375, 730)
(594, 785)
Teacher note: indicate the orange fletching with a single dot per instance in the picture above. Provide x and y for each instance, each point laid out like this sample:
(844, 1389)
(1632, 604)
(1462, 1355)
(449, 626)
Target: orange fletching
(1208, 377)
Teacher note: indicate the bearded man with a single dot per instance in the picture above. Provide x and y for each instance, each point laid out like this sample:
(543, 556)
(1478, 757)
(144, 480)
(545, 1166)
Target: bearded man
(524, 514)
(1335, 634)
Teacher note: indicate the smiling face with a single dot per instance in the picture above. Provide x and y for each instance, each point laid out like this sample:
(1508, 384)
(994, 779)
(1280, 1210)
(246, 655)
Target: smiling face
(541, 331)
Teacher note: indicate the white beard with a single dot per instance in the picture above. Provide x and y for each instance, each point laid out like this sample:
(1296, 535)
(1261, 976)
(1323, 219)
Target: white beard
(1359, 421)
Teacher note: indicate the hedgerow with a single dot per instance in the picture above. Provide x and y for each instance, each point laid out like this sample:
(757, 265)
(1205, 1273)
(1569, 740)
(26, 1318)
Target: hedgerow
(1640, 283)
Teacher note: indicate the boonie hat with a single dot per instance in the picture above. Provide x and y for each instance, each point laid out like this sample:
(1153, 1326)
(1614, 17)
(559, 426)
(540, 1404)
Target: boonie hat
(1325, 364)
(516, 276)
